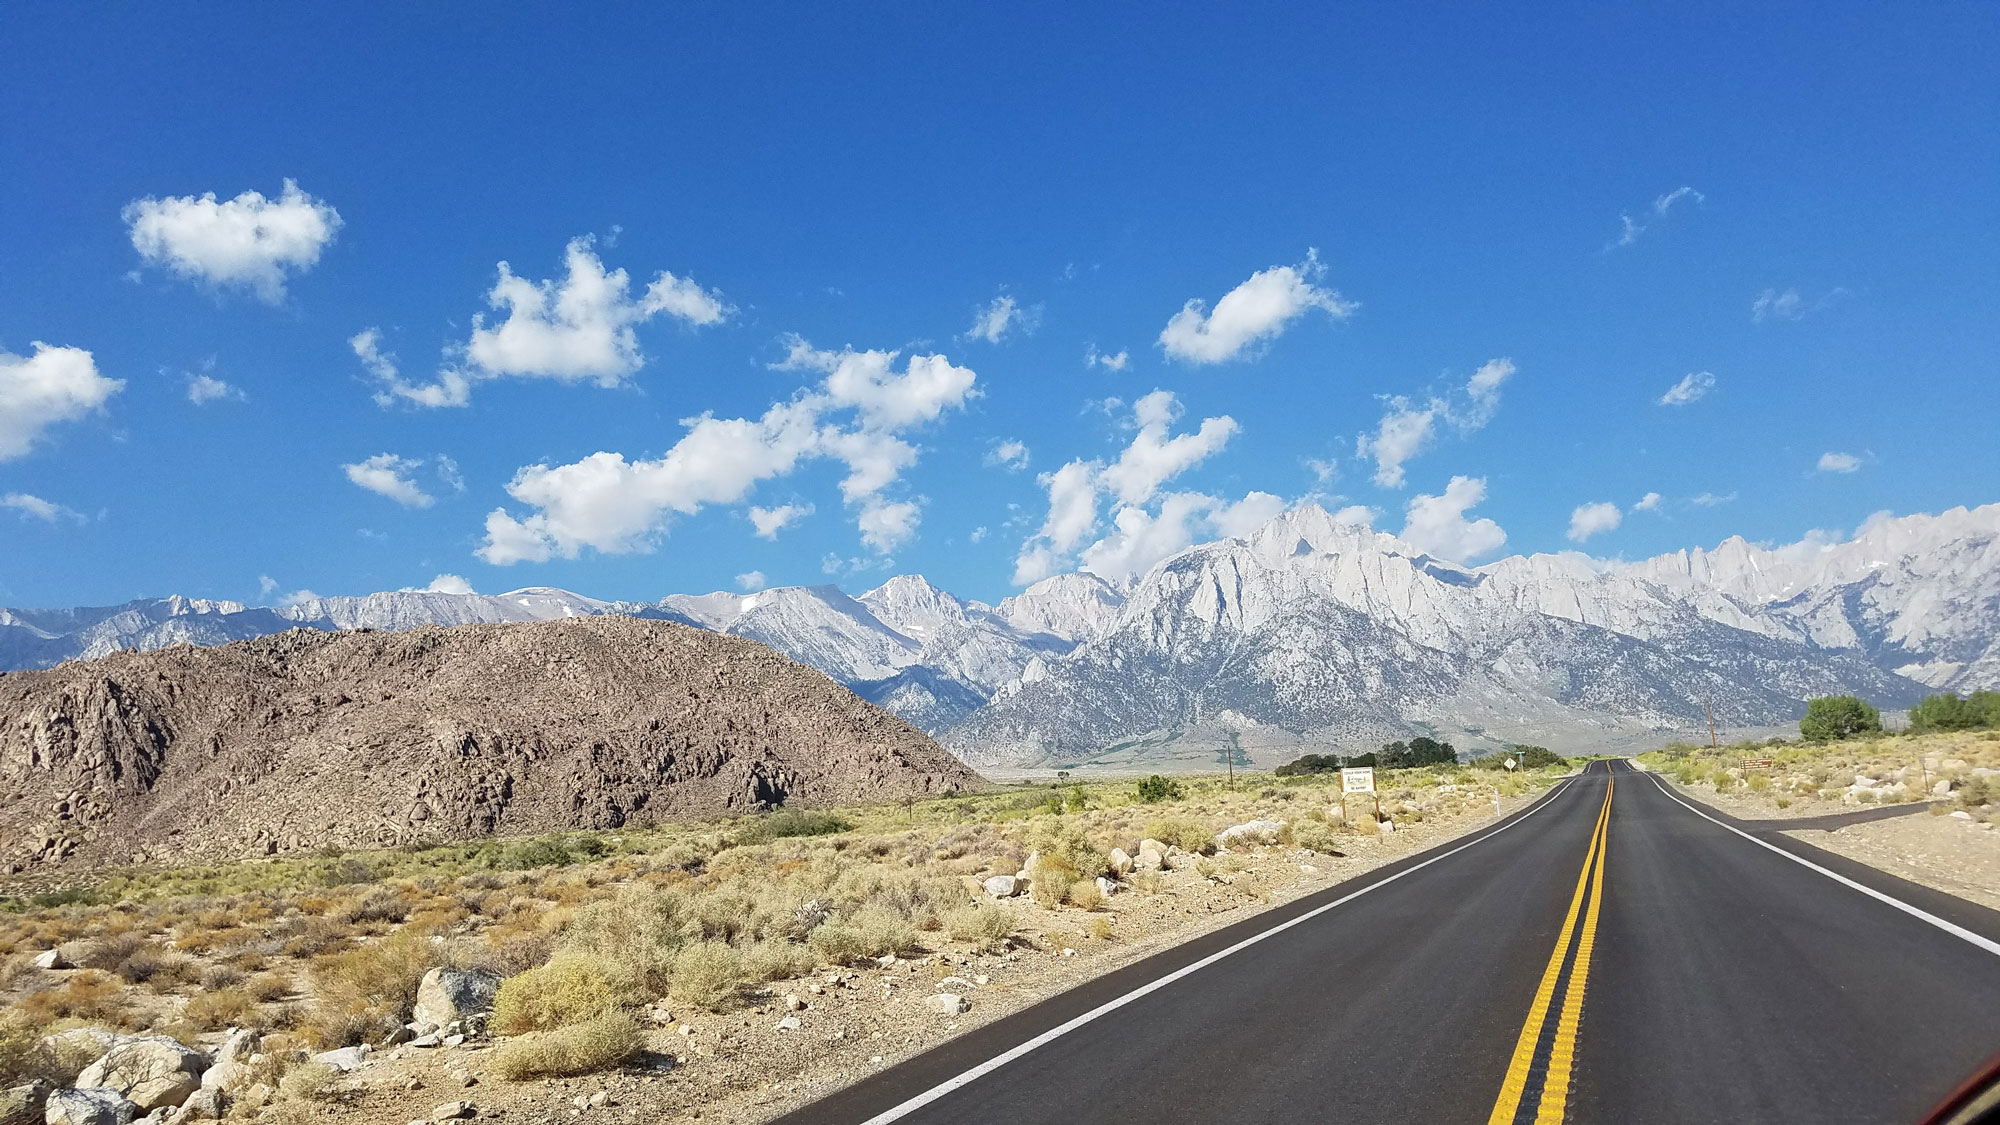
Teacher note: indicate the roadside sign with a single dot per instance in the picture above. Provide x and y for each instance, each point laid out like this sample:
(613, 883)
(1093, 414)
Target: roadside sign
(1510, 763)
(1758, 763)
(1357, 779)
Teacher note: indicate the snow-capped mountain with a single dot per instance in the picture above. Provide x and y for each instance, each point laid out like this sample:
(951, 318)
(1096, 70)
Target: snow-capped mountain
(1305, 633)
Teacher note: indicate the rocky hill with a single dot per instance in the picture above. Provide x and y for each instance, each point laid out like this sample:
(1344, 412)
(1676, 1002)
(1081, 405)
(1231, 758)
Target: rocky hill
(305, 738)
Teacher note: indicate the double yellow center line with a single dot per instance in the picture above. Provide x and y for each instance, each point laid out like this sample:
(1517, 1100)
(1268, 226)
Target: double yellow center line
(1537, 1085)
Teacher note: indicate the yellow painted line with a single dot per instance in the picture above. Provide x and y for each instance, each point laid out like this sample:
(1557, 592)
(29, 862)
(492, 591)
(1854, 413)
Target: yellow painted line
(1562, 1054)
(1515, 1086)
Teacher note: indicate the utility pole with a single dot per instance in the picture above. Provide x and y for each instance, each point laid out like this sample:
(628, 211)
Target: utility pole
(1711, 723)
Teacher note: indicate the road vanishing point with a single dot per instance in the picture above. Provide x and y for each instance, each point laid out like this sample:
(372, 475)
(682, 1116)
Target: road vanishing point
(1611, 953)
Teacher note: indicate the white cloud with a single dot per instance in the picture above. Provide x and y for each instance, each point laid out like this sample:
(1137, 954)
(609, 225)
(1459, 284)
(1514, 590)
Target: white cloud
(1356, 515)
(887, 525)
(37, 391)
(992, 322)
(579, 328)
(248, 241)
(1650, 502)
(1139, 537)
(389, 475)
(608, 504)
(266, 584)
(1011, 455)
(203, 389)
(1710, 499)
(1437, 525)
(977, 535)
(1692, 386)
(449, 584)
(770, 521)
(1253, 313)
(1118, 362)
(1590, 519)
(1154, 458)
(1773, 305)
(751, 581)
(1630, 229)
(1838, 462)
(34, 507)
(1239, 519)
(1407, 428)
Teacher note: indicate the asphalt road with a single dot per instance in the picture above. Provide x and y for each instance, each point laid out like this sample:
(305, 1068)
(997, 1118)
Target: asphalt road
(1607, 955)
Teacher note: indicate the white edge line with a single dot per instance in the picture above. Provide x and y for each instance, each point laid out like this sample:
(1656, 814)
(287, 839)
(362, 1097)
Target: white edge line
(1951, 928)
(1109, 1006)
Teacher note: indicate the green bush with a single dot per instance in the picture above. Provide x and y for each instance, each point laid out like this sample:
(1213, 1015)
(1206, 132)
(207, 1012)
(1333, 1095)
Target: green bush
(1182, 833)
(1307, 764)
(1838, 716)
(1154, 789)
(1947, 711)
(786, 823)
(527, 855)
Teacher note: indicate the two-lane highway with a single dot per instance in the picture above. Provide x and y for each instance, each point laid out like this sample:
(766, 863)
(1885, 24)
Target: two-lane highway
(1609, 954)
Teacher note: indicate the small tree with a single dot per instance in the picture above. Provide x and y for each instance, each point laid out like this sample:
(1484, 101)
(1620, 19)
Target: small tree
(1838, 716)
(1946, 711)
(1154, 789)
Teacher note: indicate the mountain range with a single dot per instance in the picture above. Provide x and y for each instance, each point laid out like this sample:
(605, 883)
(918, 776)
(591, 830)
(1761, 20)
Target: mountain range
(1305, 634)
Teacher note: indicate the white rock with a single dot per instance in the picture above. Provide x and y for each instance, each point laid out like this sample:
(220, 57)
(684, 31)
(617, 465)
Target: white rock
(344, 1060)
(50, 959)
(789, 1023)
(205, 1104)
(1388, 827)
(1121, 862)
(454, 1111)
(948, 1004)
(793, 1003)
(1106, 887)
(1152, 855)
(1003, 886)
(153, 1071)
(449, 995)
(1250, 832)
(89, 1106)
(1961, 814)
(1941, 789)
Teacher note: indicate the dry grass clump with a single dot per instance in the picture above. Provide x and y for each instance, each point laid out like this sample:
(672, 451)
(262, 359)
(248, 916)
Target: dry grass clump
(580, 1048)
(370, 989)
(1084, 895)
(983, 924)
(572, 988)
(1180, 832)
(707, 975)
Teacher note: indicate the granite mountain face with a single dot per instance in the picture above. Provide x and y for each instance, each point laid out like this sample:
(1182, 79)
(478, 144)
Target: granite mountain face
(1305, 634)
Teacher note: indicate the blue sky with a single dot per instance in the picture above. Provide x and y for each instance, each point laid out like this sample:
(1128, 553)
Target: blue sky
(1406, 194)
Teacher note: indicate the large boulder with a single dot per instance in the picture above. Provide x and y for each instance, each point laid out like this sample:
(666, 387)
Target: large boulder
(152, 1071)
(346, 1060)
(1152, 855)
(205, 1104)
(1250, 832)
(89, 1106)
(1121, 862)
(22, 1105)
(1003, 886)
(448, 995)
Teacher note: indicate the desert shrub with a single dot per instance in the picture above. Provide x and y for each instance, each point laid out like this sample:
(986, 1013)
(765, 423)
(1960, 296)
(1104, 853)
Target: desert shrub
(786, 823)
(1084, 895)
(777, 959)
(266, 987)
(635, 933)
(215, 1010)
(984, 924)
(218, 977)
(1188, 835)
(526, 855)
(1315, 836)
(90, 995)
(582, 1048)
(836, 943)
(1723, 782)
(1154, 789)
(1757, 782)
(307, 1082)
(23, 1057)
(376, 982)
(707, 975)
(1050, 886)
(569, 989)
(1067, 851)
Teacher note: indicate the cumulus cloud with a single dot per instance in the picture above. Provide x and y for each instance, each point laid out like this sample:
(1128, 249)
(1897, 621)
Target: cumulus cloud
(1437, 525)
(34, 507)
(449, 584)
(249, 241)
(386, 474)
(1692, 386)
(1153, 457)
(1629, 229)
(203, 389)
(1251, 314)
(1591, 519)
(854, 416)
(1110, 362)
(578, 328)
(1011, 455)
(38, 391)
(1407, 427)
(1146, 525)
(751, 581)
(1773, 304)
(770, 521)
(1648, 503)
(1356, 515)
(1838, 462)
(992, 322)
